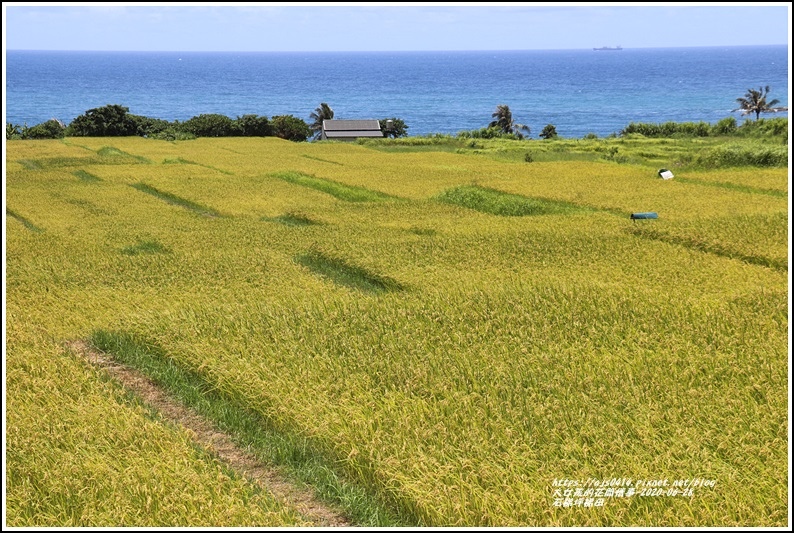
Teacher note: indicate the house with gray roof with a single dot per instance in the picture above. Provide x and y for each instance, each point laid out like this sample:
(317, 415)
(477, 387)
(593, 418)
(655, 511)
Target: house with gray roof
(350, 130)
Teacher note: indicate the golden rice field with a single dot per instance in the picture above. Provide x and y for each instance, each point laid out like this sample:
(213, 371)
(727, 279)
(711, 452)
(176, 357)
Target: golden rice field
(459, 340)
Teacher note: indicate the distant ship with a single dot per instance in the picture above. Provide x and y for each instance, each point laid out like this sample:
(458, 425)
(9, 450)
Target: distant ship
(618, 47)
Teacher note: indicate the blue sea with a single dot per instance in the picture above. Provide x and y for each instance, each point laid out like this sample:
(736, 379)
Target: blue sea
(579, 91)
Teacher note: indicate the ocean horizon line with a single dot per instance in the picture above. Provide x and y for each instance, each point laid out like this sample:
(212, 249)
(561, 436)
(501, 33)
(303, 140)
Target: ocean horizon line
(623, 48)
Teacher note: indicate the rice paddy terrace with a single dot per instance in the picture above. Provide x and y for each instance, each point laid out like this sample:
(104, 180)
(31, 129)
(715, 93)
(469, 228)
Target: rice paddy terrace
(423, 338)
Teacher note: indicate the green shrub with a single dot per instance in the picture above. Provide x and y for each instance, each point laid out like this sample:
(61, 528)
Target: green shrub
(149, 127)
(398, 128)
(173, 134)
(52, 129)
(492, 132)
(774, 127)
(734, 155)
(291, 128)
(13, 131)
(726, 126)
(211, 125)
(254, 126)
(668, 129)
(549, 132)
(108, 121)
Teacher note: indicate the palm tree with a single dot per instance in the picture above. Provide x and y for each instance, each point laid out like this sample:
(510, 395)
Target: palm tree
(324, 112)
(755, 102)
(504, 121)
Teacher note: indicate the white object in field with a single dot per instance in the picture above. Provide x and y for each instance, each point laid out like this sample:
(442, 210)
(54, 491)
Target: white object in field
(666, 175)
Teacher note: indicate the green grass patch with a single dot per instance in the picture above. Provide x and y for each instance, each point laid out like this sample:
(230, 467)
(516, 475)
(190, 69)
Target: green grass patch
(429, 143)
(345, 274)
(294, 219)
(321, 159)
(348, 193)
(66, 141)
(176, 200)
(425, 232)
(30, 164)
(737, 155)
(700, 152)
(112, 154)
(57, 162)
(147, 246)
(25, 222)
(734, 187)
(82, 175)
(182, 161)
(500, 203)
(176, 161)
(106, 155)
(250, 430)
(88, 206)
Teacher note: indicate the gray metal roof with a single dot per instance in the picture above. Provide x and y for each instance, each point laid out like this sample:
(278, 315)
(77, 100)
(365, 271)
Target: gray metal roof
(351, 125)
(353, 133)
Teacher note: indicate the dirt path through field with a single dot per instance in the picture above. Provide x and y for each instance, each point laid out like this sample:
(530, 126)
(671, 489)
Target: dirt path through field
(217, 442)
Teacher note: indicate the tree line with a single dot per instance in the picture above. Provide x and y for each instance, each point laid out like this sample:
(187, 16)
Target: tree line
(116, 121)
(754, 102)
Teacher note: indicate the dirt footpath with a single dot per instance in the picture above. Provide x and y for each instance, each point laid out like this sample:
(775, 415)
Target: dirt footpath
(216, 442)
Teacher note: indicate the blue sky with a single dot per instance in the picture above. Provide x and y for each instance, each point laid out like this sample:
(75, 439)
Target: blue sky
(274, 26)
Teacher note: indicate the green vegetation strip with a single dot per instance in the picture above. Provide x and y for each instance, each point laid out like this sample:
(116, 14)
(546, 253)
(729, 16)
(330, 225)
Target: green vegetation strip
(738, 155)
(293, 219)
(248, 429)
(176, 200)
(149, 246)
(181, 161)
(348, 193)
(116, 155)
(735, 187)
(429, 232)
(345, 274)
(60, 162)
(696, 243)
(70, 142)
(30, 164)
(320, 159)
(86, 176)
(106, 156)
(501, 203)
(25, 222)
(88, 206)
